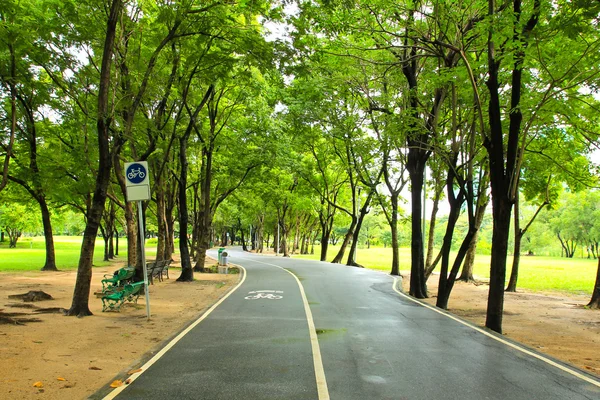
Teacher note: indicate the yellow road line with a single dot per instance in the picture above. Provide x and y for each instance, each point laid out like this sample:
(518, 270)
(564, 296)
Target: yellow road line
(172, 343)
(488, 334)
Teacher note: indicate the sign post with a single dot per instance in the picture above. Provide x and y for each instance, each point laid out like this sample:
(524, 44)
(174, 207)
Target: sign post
(138, 189)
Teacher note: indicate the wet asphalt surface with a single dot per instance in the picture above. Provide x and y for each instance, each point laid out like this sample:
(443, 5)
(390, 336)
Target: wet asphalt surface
(374, 343)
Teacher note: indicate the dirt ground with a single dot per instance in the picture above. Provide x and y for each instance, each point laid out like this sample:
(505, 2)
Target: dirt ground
(71, 358)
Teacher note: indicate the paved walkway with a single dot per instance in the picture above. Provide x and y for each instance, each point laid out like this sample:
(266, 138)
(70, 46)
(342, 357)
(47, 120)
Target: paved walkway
(299, 329)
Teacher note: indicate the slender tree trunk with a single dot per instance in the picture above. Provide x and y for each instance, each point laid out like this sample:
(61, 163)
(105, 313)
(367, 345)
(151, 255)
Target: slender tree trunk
(595, 300)
(81, 293)
(394, 229)
(50, 264)
(161, 223)
(443, 294)
(514, 274)
(187, 274)
(244, 247)
(430, 239)
(355, 235)
(116, 242)
(340, 255)
(416, 168)
(467, 271)
(502, 213)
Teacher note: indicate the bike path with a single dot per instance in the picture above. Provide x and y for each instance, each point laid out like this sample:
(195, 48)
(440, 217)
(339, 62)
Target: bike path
(377, 344)
(245, 349)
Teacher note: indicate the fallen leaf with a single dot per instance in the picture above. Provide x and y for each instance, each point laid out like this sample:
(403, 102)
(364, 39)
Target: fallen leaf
(116, 384)
(38, 385)
(134, 371)
(61, 379)
(128, 381)
(95, 368)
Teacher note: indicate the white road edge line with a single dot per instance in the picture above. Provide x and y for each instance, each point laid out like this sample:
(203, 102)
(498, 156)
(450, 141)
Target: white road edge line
(322, 390)
(172, 343)
(509, 344)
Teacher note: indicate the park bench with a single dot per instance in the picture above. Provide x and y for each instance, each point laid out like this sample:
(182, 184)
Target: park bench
(130, 292)
(157, 269)
(119, 278)
(162, 267)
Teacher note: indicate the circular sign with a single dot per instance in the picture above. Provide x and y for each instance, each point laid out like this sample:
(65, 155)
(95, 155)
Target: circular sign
(136, 173)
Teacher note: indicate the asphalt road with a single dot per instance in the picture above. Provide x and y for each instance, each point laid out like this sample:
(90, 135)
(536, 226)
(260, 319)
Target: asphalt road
(298, 329)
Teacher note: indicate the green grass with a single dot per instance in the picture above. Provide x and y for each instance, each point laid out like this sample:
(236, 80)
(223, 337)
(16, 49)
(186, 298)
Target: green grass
(576, 275)
(30, 253)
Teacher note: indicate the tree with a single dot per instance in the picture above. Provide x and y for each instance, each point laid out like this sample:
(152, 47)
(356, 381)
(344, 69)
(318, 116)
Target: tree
(79, 306)
(16, 219)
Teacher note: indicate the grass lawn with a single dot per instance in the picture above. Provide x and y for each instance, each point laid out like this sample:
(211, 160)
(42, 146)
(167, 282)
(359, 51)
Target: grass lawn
(576, 275)
(30, 253)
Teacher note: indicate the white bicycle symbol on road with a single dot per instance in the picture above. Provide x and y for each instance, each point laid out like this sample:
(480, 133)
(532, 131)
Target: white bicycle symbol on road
(264, 294)
(133, 173)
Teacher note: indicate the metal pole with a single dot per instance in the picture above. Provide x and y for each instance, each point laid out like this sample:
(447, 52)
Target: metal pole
(143, 243)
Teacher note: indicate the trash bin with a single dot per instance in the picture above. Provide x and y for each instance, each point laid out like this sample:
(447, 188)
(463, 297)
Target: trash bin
(221, 250)
(224, 256)
(223, 263)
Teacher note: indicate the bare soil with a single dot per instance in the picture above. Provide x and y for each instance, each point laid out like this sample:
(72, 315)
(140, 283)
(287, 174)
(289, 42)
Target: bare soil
(52, 356)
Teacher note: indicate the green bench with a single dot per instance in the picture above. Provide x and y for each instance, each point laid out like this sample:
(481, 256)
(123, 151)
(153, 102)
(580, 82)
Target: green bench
(123, 275)
(130, 292)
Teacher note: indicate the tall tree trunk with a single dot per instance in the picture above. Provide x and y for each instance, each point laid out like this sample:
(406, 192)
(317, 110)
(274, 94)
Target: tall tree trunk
(394, 228)
(416, 168)
(355, 235)
(130, 221)
(50, 264)
(429, 265)
(187, 274)
(504, 153)
(260, 240)
(326, 222)
(161, 223)
(514, 274)
(81, 293)
(467, 270)
(595, 300)
(244, 247)
(340, 255)
(116, 242)
(519, 234)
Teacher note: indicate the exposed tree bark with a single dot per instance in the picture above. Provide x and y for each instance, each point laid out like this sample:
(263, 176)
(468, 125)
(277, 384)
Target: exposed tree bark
(429, 264)
(361, 216)
(12, 84)
(595, 300)
(244, 247)
(504, 171)
(81, 293)
(519, 233)
(416, 168)
(131, 229)
(482, 202)
(187, 275)
(340, 254)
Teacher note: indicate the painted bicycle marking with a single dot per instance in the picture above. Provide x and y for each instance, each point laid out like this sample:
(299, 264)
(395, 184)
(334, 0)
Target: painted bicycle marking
(264, 294)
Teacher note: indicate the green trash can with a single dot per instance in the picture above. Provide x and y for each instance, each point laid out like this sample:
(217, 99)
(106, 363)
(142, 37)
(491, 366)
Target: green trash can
(221, 249)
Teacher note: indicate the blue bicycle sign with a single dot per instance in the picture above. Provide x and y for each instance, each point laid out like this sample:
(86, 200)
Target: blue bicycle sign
(136, 173)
